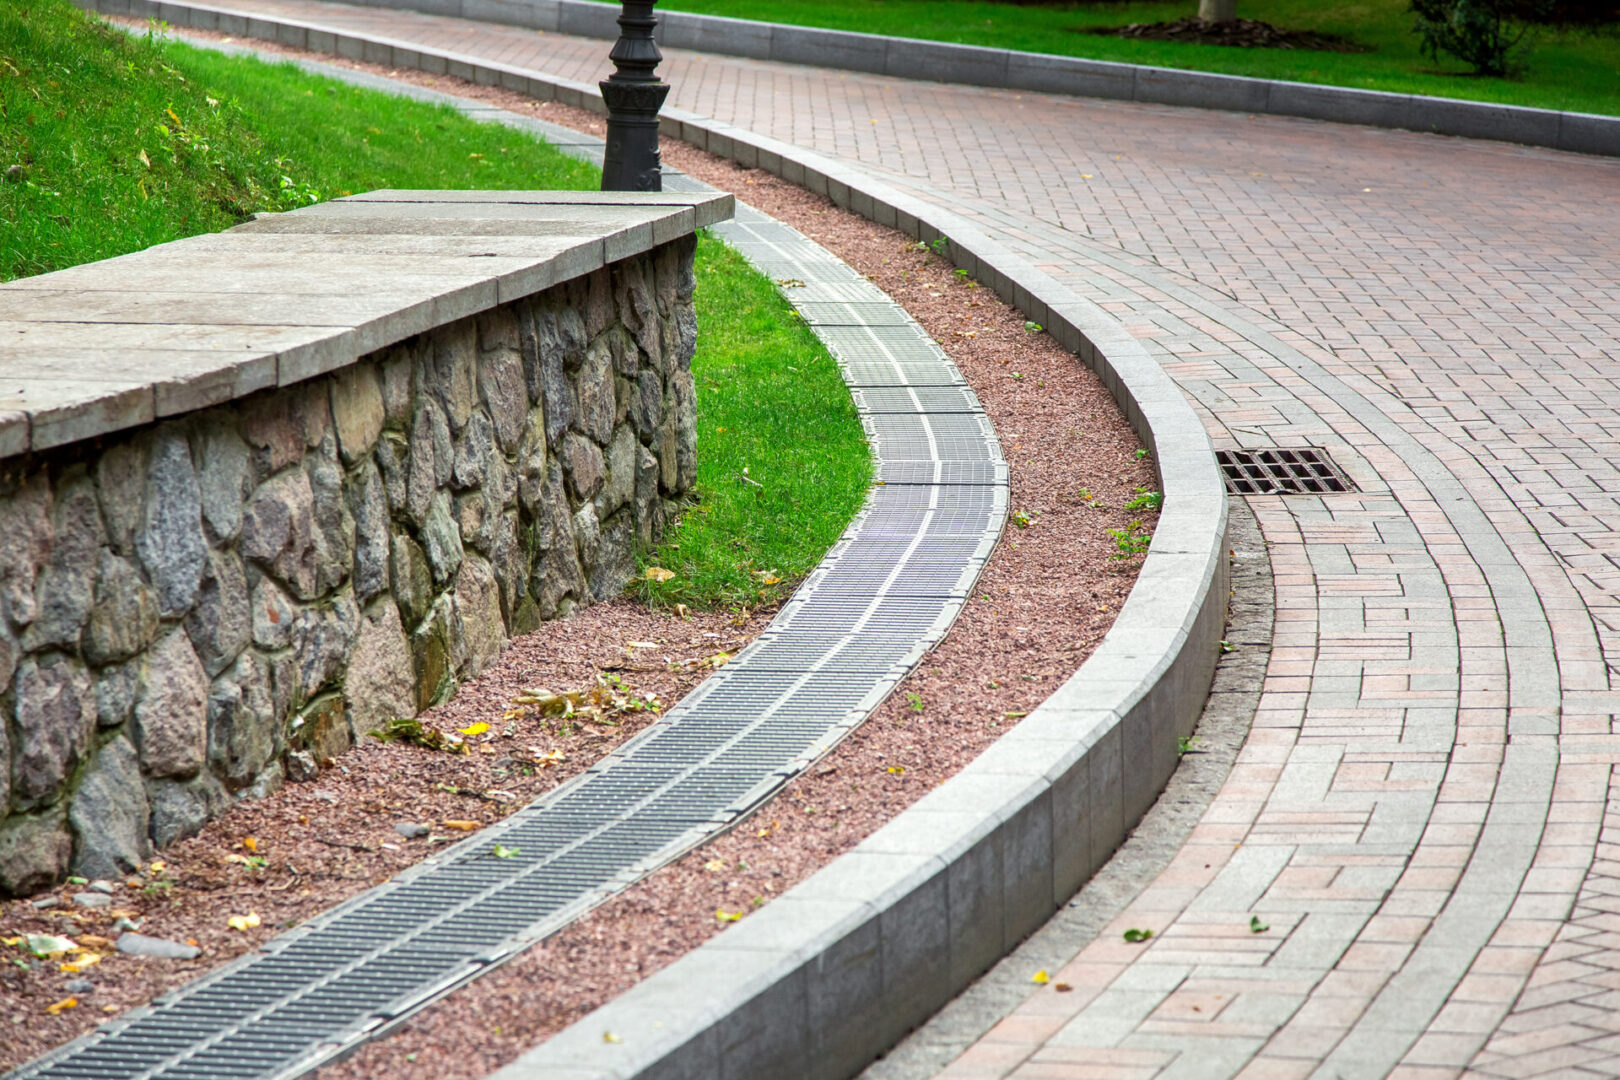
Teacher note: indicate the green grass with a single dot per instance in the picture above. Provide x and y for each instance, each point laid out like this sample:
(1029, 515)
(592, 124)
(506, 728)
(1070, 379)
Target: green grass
(782, 462)
(80, 104)
(1573, 71)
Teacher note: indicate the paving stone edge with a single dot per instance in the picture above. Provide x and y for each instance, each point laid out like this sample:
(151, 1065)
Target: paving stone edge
(839, 968)
(1013, 69)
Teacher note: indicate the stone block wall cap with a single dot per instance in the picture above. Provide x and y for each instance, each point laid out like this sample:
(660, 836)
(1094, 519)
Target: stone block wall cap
(422, 267)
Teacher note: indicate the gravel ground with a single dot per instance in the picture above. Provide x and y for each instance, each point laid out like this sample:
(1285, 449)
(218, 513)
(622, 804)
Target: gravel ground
(1049, 594)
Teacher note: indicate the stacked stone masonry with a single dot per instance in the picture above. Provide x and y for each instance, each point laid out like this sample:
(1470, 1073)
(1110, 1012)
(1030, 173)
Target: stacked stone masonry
(195, 610)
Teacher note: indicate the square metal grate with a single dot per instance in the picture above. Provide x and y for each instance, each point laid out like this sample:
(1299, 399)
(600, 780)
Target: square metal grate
(1280, 470)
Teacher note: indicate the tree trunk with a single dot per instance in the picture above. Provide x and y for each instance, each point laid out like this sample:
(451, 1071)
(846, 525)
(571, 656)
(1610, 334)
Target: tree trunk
(1217, 10)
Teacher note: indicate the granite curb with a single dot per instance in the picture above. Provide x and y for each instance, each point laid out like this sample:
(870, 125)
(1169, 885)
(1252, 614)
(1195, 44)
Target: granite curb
(841, 967)
(1012, 69)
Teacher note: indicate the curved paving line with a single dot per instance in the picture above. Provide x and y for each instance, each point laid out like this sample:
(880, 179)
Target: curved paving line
(885, 594)
(835, 971)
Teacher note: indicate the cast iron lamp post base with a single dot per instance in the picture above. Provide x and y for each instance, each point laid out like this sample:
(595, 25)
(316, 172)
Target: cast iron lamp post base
(633, 95)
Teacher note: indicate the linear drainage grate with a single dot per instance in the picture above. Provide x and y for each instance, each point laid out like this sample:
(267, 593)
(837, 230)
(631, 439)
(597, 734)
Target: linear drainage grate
(884, 595)
(1281, 471)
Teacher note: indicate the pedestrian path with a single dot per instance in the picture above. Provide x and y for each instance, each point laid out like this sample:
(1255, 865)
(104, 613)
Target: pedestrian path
(1420, 819)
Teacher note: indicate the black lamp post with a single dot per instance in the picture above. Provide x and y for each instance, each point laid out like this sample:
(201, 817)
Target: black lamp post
(633, 95)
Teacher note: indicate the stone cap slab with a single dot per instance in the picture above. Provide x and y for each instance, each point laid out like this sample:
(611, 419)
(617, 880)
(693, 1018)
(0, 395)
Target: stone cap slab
(193, 323)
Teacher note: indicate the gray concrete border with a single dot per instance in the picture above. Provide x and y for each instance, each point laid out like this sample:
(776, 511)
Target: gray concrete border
(1012, 69)
(838, 969)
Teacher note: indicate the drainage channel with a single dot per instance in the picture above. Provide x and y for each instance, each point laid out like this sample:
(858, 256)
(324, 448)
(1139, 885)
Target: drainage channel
(884, 595)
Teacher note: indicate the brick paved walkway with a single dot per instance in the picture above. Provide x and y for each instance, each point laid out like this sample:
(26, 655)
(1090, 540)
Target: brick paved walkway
(1425, 813)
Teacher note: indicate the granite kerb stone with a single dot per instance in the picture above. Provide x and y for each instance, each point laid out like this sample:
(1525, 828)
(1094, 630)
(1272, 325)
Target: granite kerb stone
(257, 505)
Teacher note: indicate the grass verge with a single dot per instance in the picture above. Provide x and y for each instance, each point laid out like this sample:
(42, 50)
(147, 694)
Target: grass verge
(1573, 71)
(782, 461)
(121, 143)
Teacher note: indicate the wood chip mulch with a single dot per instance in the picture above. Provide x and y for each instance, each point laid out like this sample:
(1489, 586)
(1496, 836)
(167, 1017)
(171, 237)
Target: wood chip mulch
(1049, 594)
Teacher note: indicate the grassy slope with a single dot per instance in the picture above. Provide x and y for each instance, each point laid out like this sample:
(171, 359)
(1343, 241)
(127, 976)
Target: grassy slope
(82, 103)
(1576, 71)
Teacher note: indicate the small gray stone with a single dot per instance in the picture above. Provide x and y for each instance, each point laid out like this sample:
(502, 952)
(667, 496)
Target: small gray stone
(25, 522)
(128, 924)
(46, 902)
(278, 534)
(220, 624)
(115, 691)
(65, 588)
(620, 486)
(79, 986)
(242, 729)
(587, 534)
(56, 719)
(474, 449)
(411, 579)
(274, 616)
(583, 461)
(357, 409)
(411, 831)
(105, 887)
(225, 479)
(171, 709)
(124, 617)
(379, 684)
(120, 481)
(133, 944)
(441, 539)
(301, 767)
(334, 525)
(180, 809)
(594, 384)
(393, 459)
(92, 900)
(109, 815)
(170, 541)
(34, 851)
(500, 387)
(448, 373)
(478, 605)
(369, 508)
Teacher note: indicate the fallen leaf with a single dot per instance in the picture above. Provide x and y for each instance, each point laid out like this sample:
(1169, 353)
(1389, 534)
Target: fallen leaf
(475, 729)
(243, 922)
(1256, 926)
(1062, 988)
(727, 916)
(897, 768)
(45, 945)
(461, 826)
(251, 843)
(1040, 978)
(144, 160)
(658, 573)
(609, 1037)
(714, 866)
(95, 941)
(681, 611)
(641, 644)
(60, 1006)
(767, 830)
(1133, 935)
(159, 866)
(504, 852)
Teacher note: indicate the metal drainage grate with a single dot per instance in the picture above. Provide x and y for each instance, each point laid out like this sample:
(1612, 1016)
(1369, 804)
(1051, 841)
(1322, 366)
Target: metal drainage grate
(1281, 471)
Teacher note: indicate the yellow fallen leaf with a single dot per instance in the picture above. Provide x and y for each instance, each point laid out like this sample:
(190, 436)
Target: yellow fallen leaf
(609, 1037)
(95, 941)
(461, 826)
(11, 941)
(243, 922)
(897, 768)
(714, 866)
(86, 960)
(681, 611)
(658, 573)
(62, 1006)
(475, 729)
(143, 159)
(727, 916)
(71, 969)
(1041, 978)
(159, 866)
(641, 644)
(251, 843)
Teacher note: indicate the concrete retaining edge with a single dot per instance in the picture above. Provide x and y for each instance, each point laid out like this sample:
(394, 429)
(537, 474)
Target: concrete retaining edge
(1012, 69)
(839, 968)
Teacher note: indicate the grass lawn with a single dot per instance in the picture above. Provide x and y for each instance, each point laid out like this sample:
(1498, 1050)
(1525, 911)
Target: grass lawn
(1579, 72)
(123, 143)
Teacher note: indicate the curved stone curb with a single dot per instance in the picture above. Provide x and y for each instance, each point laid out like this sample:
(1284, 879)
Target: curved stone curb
(1013, 69)
(836, 970)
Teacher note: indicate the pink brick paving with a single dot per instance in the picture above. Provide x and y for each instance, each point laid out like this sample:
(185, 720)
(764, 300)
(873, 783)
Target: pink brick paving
(1423, 812)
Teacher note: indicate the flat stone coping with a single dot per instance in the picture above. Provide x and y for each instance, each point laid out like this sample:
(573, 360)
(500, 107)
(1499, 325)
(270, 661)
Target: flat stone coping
(839, 968)
(193, 323)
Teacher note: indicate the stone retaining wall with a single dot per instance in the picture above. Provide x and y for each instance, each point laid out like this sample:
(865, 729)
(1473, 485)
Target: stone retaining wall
(194, 610)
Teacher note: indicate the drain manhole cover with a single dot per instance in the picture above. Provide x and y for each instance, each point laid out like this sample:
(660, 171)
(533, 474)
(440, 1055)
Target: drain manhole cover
(1281, 471)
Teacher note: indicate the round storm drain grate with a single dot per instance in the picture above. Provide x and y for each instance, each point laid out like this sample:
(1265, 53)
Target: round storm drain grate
(1280, 470)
